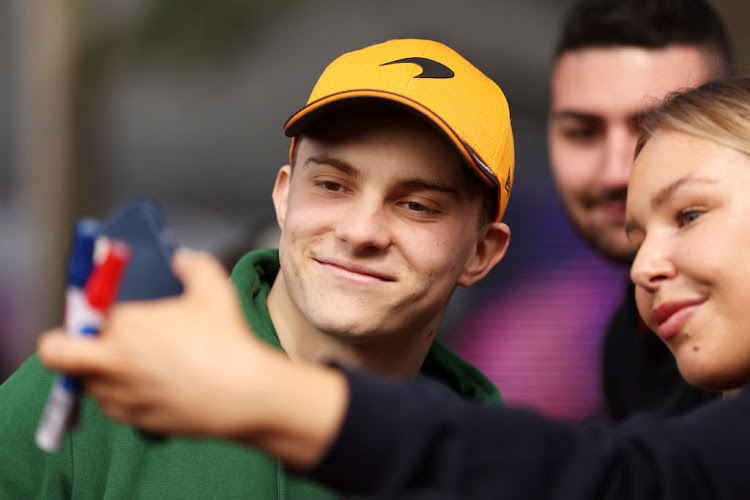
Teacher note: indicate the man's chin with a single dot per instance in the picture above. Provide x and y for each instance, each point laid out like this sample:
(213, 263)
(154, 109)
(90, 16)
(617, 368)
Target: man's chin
(604, 232)
(350, 331)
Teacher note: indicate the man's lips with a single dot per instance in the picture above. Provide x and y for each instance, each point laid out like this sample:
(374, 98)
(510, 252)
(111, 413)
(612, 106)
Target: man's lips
(671, 315)
(613, 209)
(353, 270)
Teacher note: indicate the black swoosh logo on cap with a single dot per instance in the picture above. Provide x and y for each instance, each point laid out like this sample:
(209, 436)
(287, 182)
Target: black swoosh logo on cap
(430, 68)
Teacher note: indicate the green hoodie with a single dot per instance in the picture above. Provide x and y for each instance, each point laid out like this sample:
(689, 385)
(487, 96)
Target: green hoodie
(106, 460)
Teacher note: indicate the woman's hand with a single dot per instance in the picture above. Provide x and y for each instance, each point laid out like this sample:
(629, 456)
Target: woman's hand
(191, 365)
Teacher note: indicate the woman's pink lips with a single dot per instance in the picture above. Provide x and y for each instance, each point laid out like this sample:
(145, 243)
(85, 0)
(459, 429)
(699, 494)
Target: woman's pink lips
(672, 315)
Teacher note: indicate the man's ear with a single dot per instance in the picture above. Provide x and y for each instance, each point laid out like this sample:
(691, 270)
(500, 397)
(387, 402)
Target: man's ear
(280, 193)
(490, 249)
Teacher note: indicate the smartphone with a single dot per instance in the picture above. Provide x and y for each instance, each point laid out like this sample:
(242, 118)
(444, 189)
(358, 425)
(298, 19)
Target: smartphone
(149, 275)
(141, 224)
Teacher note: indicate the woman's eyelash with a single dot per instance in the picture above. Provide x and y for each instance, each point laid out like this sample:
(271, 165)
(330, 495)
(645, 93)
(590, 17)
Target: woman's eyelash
(688, 215)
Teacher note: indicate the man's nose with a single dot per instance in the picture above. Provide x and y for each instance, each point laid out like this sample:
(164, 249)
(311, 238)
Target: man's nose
(364, 225)
(618, 158)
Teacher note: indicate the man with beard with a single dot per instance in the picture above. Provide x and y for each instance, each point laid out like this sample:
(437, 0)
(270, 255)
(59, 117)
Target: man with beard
(614, 59)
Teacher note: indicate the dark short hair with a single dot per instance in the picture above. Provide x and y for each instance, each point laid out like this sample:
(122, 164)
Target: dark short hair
(650, 24)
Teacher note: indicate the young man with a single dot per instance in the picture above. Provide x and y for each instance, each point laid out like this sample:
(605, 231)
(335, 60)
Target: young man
(400, 170)
(614, 59)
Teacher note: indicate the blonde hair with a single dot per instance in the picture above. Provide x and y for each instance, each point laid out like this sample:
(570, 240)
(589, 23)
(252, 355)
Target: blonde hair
(718, 110)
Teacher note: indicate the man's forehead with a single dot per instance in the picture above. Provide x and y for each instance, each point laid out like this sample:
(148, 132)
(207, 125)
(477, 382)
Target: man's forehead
(438, 166)
(623, 79)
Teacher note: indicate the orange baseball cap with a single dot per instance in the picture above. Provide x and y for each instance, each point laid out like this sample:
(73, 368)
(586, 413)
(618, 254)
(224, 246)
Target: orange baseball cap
(436, 82)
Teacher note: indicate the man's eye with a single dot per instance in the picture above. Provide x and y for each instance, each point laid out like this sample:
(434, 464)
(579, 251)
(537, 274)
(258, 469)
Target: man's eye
(581, 134)
(414, 206)
(419, 209)
(332, 186)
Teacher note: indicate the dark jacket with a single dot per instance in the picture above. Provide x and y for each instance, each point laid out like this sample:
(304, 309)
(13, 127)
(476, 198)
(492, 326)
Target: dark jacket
(411, 441)
(639, 374)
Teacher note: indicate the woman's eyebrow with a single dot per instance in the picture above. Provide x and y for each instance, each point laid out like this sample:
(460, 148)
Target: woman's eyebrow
(664, 193)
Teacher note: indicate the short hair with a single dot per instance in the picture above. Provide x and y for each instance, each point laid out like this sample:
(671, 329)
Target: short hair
(718, 111)
(650, 24)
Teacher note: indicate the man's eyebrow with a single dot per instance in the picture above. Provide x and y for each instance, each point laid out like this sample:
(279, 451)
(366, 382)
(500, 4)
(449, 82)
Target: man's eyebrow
(636, 118)
(426, 185)
(337, 163)
(576, 115)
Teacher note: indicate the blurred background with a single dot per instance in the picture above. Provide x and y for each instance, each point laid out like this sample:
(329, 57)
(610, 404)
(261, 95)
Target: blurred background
(184, 101)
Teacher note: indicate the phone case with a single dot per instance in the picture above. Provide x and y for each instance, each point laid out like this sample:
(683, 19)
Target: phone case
(149, 274)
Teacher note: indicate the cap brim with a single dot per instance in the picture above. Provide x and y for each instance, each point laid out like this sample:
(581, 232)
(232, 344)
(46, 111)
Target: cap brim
(315, 111)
